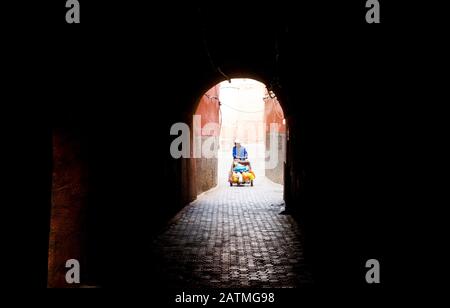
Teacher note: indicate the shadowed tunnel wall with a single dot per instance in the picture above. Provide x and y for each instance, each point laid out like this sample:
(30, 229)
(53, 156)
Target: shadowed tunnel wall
(69, 204)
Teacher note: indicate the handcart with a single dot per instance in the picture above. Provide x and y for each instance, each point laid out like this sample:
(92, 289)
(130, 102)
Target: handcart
(241, 173)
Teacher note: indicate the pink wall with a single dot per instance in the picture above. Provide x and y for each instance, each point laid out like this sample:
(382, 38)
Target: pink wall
(273, 113)
(208, 109)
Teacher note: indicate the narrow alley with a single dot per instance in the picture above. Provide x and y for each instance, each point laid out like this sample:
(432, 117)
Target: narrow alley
(233, 237)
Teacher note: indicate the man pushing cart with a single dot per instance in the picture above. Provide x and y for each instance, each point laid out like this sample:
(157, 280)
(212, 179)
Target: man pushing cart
(241, 170)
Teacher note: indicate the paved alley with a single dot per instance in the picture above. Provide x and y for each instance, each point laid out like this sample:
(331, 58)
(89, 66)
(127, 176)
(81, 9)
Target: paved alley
(233, 237)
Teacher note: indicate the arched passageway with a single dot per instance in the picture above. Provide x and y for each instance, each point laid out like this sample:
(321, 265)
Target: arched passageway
(235, 234)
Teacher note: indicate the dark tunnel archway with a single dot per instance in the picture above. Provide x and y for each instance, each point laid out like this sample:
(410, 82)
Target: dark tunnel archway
(114, 221)
(86, 225)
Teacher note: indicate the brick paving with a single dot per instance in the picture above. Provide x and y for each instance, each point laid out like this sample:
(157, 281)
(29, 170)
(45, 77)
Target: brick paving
(233, 237)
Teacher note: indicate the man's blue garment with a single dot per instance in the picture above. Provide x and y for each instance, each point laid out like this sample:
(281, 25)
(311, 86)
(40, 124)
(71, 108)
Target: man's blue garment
(240, 153)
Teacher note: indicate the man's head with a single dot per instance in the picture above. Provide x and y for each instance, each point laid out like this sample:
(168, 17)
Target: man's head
(237, 142)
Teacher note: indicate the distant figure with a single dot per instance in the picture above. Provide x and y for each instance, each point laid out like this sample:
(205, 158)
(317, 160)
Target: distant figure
(239, 152)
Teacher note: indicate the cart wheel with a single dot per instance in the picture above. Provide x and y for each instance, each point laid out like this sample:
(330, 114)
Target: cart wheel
(251, 183)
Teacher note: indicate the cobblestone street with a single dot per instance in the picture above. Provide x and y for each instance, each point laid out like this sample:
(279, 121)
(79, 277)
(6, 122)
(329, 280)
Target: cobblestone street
(233, 237)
